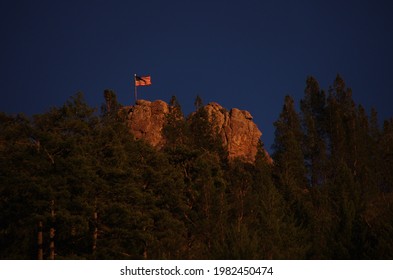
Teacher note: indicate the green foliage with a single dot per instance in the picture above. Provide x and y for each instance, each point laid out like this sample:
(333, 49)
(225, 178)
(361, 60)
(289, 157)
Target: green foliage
(327, 194)
(290, 171)
(198, 103)
(347, 159)
(175, 129)
(313, 108)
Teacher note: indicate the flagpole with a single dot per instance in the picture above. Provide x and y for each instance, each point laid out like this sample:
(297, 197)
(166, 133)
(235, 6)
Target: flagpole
(135, 92)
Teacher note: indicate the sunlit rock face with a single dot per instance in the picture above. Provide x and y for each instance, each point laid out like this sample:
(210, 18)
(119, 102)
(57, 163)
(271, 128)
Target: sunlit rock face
(146, 120)
(239, 134)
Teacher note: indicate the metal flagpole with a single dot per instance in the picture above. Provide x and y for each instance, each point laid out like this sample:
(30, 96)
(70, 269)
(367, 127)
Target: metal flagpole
(135, 92)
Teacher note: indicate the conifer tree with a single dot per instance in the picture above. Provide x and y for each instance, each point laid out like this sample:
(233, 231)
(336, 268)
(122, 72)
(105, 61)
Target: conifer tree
(206, 196)
(341, 122)
(203, 134)
(288, 156)
(198, 103)
(313, 108)
(289, 169)
(175, 129)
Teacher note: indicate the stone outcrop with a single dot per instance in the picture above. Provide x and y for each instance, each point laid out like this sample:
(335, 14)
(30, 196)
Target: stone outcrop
(239, 134)
(146, 120)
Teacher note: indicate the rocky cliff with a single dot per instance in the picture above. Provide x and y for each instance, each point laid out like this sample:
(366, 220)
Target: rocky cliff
(239, 134)
(146, 120)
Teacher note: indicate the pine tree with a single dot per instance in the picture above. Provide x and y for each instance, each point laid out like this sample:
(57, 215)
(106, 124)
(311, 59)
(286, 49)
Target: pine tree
(289, 168)
(202, 134)
(280, 235)
(23, 190)
(198, 103)
(175, 129)
(68, 146)
(313, 108)
(288, 156)
(206, 202)
(341, 122)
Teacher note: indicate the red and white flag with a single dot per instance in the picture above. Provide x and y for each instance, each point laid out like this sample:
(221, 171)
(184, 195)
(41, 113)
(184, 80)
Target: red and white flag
(142, 81)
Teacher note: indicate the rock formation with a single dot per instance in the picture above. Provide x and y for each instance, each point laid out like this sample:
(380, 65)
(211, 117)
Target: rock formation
(239, 134)
(147, 119)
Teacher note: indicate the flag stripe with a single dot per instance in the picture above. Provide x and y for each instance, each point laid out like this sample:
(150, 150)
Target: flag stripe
(142, 81)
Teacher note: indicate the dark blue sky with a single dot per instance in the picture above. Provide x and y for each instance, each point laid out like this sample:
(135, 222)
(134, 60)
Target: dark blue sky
(246, 54)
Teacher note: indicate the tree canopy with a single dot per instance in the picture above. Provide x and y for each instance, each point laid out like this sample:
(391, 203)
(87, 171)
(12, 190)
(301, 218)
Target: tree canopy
(79, 179)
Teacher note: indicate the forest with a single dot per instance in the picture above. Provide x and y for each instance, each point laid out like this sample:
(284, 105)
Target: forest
(74, 184)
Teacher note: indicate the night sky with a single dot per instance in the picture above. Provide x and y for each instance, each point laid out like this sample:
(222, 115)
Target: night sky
(245, 54)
